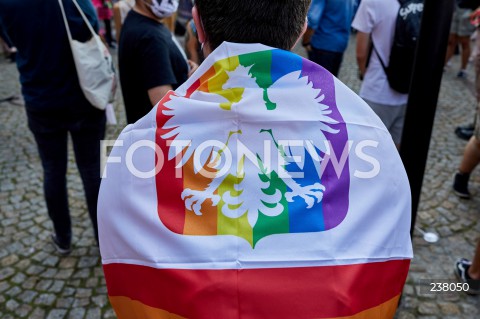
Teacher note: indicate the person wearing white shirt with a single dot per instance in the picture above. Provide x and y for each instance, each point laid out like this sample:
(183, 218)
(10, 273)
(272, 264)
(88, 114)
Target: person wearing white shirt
(375, 23)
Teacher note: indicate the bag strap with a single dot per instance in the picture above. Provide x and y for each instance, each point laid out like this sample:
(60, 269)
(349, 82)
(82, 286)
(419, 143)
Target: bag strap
(379, 58)
(65, 21)
(84, 17)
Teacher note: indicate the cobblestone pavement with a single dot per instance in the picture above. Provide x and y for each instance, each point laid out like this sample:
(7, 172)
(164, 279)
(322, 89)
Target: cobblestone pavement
(36, 283)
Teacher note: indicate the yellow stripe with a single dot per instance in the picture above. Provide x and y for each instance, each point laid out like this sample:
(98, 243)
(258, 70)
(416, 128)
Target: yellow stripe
(126, 308)
(216, 82)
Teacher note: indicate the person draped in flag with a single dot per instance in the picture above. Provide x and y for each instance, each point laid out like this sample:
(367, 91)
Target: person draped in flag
(262, 187)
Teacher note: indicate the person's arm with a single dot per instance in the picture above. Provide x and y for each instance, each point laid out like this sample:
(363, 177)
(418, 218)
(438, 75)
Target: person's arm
(191, 44)
(307, 37)
(314, 17)
(158, 75)
(362, 48)
(117, 18)
(364, 22)
(157, 93)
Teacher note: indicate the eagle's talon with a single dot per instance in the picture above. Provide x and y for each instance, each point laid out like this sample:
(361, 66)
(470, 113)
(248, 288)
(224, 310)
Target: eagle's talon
(194, 199)
(308, 193)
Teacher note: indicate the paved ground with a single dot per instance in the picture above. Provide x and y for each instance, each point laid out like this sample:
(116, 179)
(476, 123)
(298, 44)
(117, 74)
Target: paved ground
(35, 283)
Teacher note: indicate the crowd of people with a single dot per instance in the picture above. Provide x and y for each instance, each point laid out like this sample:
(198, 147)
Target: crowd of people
(152, 63)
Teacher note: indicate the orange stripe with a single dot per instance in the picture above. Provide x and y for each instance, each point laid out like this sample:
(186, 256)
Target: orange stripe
(205, 224)
(132, 309)
(126, 308)
(204, 79)
(383, 311)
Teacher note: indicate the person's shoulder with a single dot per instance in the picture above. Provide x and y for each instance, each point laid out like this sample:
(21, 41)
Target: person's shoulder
(376, 4)
(159, 33)
(132, 18)
(139, 25)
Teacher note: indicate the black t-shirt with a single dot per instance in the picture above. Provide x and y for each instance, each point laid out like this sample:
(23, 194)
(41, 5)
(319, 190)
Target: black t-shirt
(468, 4)
(148, 58)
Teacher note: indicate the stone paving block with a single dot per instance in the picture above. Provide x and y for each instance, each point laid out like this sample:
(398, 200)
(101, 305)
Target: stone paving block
(18, 278)
(449, 309)
(470, 310)
(49, 273)
(57, 286)
(88, 262)
(409, 302)
(43, 285)
(27, 296)
(64, 273)
(51, 261)
(65, 302)
(12, 292)
(93, 313)
(428, 308)
(12, 305)
(35, 270)
(100, 301)
(9, 260)
(57, 314)
(69, 291)
(45, 299)
(81, 302)
(76, 313)
(402, 314)
(91, 282)
(109, 314)
(23, 311)
(6, 273)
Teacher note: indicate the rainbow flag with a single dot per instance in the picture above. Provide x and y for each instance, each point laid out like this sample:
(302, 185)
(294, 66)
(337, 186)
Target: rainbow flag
(258, 189)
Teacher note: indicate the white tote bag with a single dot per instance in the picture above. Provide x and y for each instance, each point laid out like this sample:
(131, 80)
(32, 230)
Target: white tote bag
(94, 64)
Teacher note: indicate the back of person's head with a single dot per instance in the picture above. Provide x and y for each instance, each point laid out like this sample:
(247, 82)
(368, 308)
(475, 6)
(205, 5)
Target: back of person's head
(277, 23)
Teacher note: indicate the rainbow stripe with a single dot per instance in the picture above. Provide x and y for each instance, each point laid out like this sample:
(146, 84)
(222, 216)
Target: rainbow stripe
(267, 67)
(342, 292)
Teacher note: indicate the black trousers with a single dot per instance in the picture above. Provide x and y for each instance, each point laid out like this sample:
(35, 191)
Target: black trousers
(51, 135)
(328, 59)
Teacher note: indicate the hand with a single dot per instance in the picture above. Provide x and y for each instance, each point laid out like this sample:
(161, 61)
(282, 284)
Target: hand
(360, 75)
(192, 66)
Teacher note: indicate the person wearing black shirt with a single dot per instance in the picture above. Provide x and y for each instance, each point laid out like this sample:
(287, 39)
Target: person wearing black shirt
(150, 63)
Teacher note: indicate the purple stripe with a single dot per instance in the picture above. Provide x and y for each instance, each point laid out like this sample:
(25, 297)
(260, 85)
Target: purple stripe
(335, 199)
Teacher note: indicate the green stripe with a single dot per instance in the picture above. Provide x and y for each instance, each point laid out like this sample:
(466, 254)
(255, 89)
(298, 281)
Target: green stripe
(262, 64)
(267, 225)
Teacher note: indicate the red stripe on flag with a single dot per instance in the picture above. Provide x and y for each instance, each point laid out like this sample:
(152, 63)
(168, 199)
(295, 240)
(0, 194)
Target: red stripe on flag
(171, 208)
(193, 88)
(302, 292)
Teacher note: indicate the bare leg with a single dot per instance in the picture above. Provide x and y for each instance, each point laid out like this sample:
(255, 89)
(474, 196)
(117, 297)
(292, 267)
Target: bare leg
(474, 269)
(465, 43)
(452, 43)
(471, 156)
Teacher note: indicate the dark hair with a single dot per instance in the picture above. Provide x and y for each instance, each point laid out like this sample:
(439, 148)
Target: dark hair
(277, 23)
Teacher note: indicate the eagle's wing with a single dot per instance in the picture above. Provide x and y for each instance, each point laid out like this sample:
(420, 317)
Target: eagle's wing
(195, 121)
(300, 116)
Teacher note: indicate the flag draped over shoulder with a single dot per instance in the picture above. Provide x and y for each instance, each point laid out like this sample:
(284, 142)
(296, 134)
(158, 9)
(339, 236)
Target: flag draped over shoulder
(261, 188)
